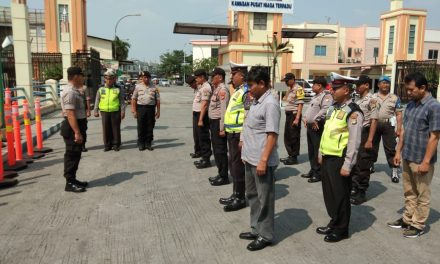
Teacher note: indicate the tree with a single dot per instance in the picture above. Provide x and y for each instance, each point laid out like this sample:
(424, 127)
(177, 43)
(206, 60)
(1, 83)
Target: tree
(120, 49)
(54, 72)
(277, 49)
(171, 63)
(208, 64)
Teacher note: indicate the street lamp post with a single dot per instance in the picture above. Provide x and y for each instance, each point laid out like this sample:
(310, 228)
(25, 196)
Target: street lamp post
(116, 28)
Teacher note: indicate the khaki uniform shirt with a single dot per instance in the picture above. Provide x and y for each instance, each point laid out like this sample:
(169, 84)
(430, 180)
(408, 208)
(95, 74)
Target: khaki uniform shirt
(218, 104)
(318, 107)
(294, 97)
(388, 106)
(146, 95)
(71, 99)
(203, 93)
(368, 107)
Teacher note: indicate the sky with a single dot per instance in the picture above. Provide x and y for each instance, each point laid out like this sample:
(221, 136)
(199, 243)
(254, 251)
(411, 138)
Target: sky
(151, 34)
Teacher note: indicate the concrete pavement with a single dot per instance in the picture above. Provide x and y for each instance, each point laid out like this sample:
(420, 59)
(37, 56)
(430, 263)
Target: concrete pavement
(156, 207)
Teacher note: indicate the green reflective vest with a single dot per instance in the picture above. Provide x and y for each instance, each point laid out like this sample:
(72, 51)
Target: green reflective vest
(109, 99)
(335, 136)
(234, 116)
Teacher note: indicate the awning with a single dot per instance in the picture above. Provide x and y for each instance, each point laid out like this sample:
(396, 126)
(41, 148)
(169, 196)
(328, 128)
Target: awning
(304, 33)
(202, 29)
(362, 67)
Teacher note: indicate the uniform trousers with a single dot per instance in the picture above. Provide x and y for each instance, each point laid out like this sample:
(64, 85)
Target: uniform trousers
(260, 192)
(73, 151)
(292, 135)
(336, 190)
(236, 166)
(361, 171)
(146, 121)
(111, 127)
(204, 137)
(385, 131)
(220, 148)
(197, 149)
(313, 143)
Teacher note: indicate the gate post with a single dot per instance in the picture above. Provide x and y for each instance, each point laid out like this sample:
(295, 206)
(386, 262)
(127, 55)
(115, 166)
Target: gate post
(393, 78)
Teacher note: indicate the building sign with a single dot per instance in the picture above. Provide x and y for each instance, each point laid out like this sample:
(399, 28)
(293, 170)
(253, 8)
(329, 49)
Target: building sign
(262, 6)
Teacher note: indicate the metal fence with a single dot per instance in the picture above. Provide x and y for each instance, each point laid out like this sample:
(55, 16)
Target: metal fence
(90, 63)
(429, 68)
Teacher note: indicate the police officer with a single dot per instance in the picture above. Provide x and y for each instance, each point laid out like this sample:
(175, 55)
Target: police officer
(73, 128)
(110, 102)
(314, 122)
(234, 118)
(145, 106)
(361, 171)
(389, 124)
(292, 128)
(217, 108)
(205, 92)
(338, 152)
(191, 81)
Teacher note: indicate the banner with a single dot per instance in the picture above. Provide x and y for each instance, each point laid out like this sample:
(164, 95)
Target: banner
(262, 6)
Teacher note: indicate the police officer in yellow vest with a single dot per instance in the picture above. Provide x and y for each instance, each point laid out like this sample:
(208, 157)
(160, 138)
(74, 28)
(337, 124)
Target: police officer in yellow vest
(110, 102)
(338, 153)
(234, 118)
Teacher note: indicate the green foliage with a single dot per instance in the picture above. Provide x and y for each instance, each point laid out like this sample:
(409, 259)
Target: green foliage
(207, 64)
(121, 48)
(171, 63)
(53, 72)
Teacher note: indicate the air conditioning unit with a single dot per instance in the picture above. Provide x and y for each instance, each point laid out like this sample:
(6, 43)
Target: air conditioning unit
(358, 60)
(356, 50)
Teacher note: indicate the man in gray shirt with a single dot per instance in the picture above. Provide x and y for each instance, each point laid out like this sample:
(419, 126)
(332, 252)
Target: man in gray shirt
(260, 155)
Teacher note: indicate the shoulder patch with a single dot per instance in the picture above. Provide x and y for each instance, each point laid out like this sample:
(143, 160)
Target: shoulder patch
(222, 94)
(353, 118)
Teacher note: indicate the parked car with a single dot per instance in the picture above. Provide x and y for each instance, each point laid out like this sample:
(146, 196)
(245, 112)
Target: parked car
(308, 92)
(164, 83)
(179, 82)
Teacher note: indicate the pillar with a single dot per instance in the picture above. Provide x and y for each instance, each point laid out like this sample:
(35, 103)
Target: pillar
(22, 49)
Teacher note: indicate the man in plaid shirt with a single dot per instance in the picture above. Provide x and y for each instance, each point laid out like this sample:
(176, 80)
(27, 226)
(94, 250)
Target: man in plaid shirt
(417, 150)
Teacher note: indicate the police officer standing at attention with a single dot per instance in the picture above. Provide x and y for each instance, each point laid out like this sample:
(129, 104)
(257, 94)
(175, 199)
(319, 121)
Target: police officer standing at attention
(292, 128)
(145, 106)
(338, 152)
(389, 124)
(110, 102)
(314, 122)
(234, 118)
(217, 108)
(73, 128)
(191, 81)
(361, 171)
(205, 91)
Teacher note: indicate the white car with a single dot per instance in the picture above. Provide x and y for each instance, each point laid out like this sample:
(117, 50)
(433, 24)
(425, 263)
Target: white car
(164, 83)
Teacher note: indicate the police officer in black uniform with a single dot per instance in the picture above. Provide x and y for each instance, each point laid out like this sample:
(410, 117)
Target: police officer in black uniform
(73, 128)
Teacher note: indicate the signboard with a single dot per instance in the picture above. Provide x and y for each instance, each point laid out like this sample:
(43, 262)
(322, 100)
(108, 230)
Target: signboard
(262, 6)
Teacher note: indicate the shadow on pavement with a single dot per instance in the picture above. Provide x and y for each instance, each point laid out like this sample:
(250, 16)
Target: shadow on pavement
(303, 158)
(114, 179)
(361, 218)
(170, 145)
(376, 188)
(8, 194)
(36, 177)
(281, 191)
(285, 172)
(165, 140)
(42, 163)
(289, 222)
(3, 204)
(382, 167)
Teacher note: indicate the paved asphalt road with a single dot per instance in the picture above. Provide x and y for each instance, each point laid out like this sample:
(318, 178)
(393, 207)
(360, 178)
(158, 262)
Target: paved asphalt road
(155, 207)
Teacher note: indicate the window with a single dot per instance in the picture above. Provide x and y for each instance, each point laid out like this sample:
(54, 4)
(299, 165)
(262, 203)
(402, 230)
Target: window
(260, 21)
(350, 52)
(376, 52)
(391, 40)
(412, 38)
(320, 50)
(214, 52)
(433, 55)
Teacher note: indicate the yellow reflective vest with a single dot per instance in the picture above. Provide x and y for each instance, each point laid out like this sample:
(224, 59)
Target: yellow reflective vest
(109, 99)
(334, 139)
(234, 115)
